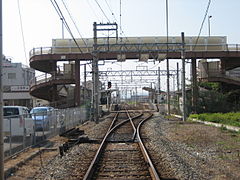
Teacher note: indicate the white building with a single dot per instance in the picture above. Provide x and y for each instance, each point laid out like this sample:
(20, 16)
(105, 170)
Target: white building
(16, 82)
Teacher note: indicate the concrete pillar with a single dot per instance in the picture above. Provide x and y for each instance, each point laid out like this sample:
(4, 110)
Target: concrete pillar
(223, 66)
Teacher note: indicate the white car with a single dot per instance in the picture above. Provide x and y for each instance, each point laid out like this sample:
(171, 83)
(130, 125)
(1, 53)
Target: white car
(17, 121)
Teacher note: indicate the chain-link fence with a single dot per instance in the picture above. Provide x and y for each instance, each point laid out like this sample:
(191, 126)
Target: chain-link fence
(22, 131)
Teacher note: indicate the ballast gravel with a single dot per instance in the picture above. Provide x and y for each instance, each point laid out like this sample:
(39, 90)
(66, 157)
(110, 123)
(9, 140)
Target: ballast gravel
(180, 150)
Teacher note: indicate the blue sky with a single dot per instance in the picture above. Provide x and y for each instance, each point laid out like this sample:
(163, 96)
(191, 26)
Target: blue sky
(139, 18)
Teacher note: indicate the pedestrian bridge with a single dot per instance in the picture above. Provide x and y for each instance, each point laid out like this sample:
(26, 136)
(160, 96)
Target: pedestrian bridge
(143, 48)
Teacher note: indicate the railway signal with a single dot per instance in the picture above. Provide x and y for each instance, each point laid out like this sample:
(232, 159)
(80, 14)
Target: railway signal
(109, 84)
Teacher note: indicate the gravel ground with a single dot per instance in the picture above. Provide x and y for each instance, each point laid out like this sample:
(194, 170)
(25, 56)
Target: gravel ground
(192, 150)
(72, 165)
(179, 150)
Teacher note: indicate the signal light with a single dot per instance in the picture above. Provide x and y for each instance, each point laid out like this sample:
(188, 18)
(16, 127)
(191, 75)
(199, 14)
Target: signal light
(109, 85)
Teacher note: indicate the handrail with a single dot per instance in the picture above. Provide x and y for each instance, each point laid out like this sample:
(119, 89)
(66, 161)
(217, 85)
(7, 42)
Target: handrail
(46, 77)
(141, 47)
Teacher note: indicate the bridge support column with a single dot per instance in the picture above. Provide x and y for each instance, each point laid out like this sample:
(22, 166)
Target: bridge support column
(77, 83)
(194, 86)
(223, 66)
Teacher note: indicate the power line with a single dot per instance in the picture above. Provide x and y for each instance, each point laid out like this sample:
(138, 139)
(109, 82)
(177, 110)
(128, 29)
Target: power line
(23, 39)
(120, 16)
(58, 10)
(110, 10)
(93, 10)
(74, 22)
(205, 16)
(75, 26)
(102, 10)
(120, 19)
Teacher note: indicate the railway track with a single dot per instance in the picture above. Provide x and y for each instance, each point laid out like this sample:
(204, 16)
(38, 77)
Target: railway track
(122, 154)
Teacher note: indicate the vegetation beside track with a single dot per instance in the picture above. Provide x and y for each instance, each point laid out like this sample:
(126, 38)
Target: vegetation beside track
(232, 119)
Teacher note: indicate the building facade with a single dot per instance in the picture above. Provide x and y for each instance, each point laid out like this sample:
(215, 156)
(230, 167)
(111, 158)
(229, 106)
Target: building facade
(16, 79)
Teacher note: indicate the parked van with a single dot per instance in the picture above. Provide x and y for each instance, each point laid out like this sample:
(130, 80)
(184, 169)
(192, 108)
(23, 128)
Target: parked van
(17, 121)
(43, 117)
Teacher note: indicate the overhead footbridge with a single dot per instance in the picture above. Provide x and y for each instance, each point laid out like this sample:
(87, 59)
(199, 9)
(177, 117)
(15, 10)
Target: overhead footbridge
(143, 48)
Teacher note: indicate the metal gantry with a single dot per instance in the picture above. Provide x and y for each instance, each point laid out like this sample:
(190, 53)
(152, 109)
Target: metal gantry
(95, 76)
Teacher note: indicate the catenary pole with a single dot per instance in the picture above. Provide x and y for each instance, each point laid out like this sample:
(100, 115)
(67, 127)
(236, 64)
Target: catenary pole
(183, 76)
(168, 76)
(85, 84)
(159, 88)
(178, 77)
(95, 76)
(1, 101)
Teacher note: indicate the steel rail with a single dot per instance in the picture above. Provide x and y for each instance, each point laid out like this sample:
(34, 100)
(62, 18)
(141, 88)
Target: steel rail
(147, 158)
(96, 158)
(134, 128)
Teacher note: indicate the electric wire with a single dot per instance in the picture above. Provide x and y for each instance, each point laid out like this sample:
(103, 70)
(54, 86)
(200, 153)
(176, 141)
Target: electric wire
(23, 39)
(93, 10)
(73, 21)
(120, 16)
(111, 10)
(121, 31)
(154, 66)
(102, 11)
(205, 16)
(58, 10)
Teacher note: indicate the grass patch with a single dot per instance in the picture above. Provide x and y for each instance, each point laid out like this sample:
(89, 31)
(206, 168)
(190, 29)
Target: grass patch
(232, 119)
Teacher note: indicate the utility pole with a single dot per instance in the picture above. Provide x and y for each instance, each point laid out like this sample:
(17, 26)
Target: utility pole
(178, 77)
(77, 83)
(159, 80)
(135, 96)
(194, 85)
(209, 26)
(159, 88)
(1, 101)
(95, 76)
(62, 28)
(85, 84)
(168, 76)
(183, 76)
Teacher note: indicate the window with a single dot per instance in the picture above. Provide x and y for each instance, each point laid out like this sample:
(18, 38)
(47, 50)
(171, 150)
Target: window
(11, 75)
(10, 111)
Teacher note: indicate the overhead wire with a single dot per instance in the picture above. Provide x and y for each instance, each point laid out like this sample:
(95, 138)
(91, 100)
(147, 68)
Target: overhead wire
(120, 19)
(23, 39)
(93, 10)
(111, 10)
(73, 21)
(58, 10)
(205, 16)
(60, 14)
(102, 10)
(75, 25)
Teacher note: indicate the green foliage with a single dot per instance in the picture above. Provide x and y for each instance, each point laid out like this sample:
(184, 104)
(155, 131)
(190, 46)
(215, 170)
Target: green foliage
(233, 98)
(212, 102)
(210, 85)
(232, 119)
